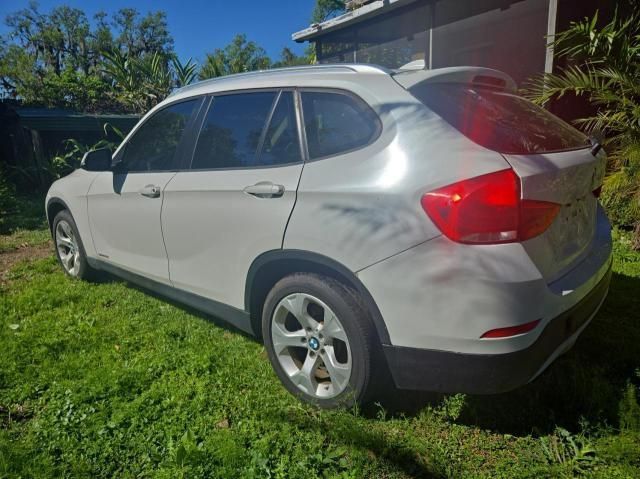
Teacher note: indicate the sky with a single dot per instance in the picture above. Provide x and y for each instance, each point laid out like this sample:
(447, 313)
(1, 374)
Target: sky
(200, 26)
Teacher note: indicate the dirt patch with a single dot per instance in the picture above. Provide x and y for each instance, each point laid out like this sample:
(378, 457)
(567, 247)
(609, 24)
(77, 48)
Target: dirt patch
(25, 253)
(16, 413)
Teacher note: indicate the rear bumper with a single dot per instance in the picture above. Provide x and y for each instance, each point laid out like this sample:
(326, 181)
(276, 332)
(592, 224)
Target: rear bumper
(446, 371)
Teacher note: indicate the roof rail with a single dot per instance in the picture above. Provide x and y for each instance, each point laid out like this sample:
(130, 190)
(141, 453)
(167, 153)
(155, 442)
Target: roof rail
(327, 68)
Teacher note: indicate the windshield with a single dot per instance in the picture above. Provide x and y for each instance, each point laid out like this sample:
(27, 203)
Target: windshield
(499, 121)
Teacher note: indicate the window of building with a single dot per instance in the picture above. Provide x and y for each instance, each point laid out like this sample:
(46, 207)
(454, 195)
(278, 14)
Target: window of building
(391, 40)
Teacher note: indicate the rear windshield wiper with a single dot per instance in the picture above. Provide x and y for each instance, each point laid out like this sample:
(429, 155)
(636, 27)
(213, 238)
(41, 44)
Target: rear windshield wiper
(595, 145)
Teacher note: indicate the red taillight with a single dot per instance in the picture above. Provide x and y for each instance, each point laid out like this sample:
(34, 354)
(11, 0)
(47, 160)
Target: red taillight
(535, 218)
(510, 331)
(488, 209)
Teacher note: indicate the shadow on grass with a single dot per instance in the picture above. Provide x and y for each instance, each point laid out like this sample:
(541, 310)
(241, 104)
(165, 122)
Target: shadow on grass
(584, 385)
(104, 278)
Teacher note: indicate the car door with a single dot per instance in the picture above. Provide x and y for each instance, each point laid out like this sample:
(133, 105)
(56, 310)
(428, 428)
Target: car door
(124, 205)
(234, 202)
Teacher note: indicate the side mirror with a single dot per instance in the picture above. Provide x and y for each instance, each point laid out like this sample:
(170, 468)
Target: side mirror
(97, 160)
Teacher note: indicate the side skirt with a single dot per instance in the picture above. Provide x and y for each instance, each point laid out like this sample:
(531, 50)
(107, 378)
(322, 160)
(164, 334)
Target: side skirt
(236, 317)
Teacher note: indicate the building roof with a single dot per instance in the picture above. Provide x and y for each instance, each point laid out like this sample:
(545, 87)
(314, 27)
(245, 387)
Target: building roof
(54, 119)
(364, 12)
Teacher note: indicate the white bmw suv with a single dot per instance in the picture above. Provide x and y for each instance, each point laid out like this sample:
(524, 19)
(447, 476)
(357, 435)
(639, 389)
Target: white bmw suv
(427, 225)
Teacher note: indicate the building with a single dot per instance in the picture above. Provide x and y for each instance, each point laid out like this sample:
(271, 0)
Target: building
(29, 137)
(509, 35)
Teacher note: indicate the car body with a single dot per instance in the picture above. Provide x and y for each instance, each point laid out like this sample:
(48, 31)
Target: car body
(463, 220)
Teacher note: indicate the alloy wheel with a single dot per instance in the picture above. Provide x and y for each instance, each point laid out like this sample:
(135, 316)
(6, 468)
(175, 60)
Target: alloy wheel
(67, 247)
(311, 345)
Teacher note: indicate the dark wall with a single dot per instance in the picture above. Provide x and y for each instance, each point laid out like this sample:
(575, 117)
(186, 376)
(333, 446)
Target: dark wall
(25, 153)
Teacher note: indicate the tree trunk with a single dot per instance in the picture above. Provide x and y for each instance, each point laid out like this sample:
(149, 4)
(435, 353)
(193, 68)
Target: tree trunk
(40, 161)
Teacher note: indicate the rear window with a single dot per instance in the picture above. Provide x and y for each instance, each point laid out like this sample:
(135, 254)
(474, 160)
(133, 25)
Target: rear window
(499, 121)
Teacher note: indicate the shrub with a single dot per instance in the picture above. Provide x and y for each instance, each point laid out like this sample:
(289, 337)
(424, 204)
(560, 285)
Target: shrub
(8, 202)
(604, 68)
(629, 409)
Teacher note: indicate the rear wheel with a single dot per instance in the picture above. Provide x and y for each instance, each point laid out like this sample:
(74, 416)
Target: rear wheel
(320, 340)
(69, 248)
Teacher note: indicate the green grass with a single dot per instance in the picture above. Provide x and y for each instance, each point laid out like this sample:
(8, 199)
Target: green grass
(24, 226)
(104, 380)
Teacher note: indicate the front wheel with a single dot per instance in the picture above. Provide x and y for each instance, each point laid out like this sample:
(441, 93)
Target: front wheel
(69, 248)
(320, 340)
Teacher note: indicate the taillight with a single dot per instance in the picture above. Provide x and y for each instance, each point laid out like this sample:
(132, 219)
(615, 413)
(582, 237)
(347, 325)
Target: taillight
(510, 331)
(487, 209)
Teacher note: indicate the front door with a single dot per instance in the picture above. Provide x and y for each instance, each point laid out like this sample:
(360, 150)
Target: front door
(125, 205)
(235, 201)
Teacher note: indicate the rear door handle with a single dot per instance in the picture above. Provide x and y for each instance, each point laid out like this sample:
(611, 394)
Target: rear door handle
(150, 191)
(265, 189)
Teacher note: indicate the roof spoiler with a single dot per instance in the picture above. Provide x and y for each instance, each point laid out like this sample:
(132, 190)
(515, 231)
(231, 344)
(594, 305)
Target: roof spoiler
(409, 76)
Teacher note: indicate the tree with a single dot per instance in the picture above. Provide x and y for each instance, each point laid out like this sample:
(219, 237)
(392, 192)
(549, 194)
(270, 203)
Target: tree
(290, 59)
(185, 73)
(141, 36)
(55, 59)
(325, 9)
(605, 68)
(237, 57)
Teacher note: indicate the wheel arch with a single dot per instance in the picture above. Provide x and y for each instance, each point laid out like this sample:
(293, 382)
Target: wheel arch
(271, 266)
(54, 206)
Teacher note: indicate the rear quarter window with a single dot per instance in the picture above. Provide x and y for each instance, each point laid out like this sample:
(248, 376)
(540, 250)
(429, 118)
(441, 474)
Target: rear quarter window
(337, 123)
(499, 121)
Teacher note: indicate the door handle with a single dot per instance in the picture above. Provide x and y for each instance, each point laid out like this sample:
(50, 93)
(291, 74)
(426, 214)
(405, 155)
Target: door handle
(150, 191)
(265, 189)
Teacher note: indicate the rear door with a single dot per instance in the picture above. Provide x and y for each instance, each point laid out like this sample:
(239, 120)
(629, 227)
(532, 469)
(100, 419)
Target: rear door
(234, 202)
(124, 205)
(553, 160)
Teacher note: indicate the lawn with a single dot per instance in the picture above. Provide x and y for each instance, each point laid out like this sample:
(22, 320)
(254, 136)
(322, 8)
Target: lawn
(105, 380)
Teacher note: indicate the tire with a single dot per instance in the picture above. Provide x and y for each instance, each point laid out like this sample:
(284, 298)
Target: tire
(69, 248)
(337, 331)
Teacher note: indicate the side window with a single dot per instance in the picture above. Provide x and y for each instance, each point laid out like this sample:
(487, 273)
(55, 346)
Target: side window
(232, 129)
(281, 145)
(153, 146)
(335, 123)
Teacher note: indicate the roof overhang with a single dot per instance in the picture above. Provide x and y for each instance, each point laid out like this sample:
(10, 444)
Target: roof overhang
(43, 119)
(365, 12)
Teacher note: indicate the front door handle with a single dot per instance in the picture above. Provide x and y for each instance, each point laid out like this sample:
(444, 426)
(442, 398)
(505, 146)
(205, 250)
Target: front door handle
(150, 191)
(265, 189)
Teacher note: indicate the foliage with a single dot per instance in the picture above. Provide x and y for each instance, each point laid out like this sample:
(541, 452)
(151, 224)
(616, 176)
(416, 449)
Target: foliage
(105, 380)
(7, 201)
(629, 408)
(605, 68)
(55, 59)
(121, 63)
(22, 224)
(290, 59)
(139, 83)
(325, 9)
(185, 73)
(73, 151)
(565, 448)
(238, 56)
